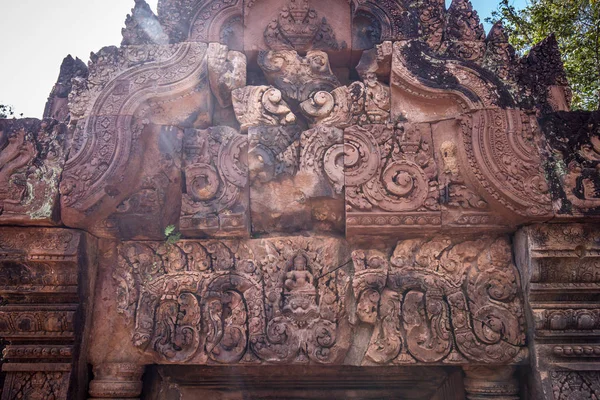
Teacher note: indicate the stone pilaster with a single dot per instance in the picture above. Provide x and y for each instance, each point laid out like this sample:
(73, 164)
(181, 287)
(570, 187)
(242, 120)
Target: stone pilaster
(45, 288)
(560, 265)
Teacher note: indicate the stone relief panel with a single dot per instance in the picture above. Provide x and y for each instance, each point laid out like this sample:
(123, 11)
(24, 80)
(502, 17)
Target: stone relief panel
(502, 148)
(215, 198)
(32, 157)
(441, 300)
(271, 300)
(45, 280)
(573, 156)
(300, 25)
(560, 265)
(301, 300)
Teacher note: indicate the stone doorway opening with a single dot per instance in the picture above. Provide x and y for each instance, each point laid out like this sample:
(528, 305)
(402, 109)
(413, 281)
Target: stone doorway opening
(302, 383)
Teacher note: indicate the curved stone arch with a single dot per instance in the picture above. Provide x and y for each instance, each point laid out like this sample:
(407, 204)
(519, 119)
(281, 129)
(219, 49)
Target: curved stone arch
(504, 164)
(114, 127)
(210, 17)
(389, 14)
(458, 87)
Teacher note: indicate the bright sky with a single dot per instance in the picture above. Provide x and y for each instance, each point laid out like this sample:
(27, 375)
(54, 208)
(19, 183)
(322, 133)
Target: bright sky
(38, 34)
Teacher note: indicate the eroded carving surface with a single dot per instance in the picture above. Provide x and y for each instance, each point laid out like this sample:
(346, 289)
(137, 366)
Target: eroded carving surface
(286, 300)
(32, 156)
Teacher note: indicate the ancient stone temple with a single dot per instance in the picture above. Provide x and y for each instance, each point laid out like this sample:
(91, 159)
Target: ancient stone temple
(303, 199)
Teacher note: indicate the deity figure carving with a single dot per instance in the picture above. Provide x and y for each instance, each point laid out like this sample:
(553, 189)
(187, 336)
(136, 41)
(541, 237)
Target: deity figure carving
(299, 290)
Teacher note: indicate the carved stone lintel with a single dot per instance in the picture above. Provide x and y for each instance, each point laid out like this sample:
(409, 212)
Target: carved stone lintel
(117, 381)
(497, 383)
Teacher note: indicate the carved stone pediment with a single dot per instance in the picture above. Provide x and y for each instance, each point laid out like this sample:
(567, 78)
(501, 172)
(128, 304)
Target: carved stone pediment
(315, 185)
(122, 164)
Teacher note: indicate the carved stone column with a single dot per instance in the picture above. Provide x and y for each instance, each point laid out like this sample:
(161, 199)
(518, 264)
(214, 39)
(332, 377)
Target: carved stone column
(117, 381)
(560, 265)
(498, 383)
(45, 288)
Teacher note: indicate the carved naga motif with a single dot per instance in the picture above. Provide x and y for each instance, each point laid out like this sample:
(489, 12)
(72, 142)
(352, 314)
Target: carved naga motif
(441, 300)
(31, 163)
(230, 302)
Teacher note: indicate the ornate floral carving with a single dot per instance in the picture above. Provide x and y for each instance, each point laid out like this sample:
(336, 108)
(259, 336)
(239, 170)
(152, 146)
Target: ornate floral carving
(299, 27)
(196, 301)
(569, 385)
(298, 77)
(390, 170)
(466, 290)
(36, 385)
(261, 105)
(32, 157)
(226, 72)
(215, 199)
